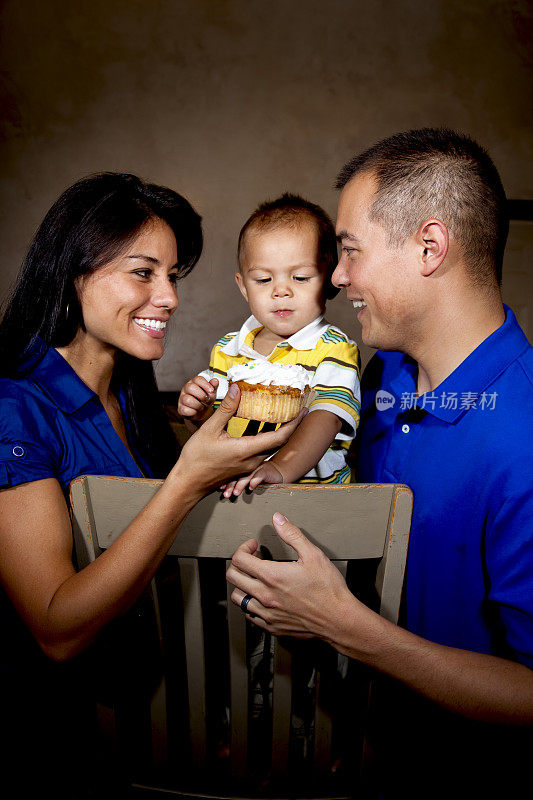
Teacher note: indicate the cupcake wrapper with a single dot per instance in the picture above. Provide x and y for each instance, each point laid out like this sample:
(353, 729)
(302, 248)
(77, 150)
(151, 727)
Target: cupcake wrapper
(270, 407)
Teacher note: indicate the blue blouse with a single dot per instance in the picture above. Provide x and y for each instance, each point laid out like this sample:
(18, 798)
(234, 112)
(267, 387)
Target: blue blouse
(53, 426)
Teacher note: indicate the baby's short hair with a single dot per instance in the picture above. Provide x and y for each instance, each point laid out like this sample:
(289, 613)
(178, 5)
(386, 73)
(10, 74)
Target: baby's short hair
(289, 211)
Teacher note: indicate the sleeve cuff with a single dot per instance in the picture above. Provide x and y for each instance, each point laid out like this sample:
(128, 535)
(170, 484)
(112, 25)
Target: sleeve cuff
(349, 423)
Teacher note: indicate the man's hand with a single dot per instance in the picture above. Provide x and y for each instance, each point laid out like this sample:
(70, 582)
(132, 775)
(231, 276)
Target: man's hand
(309, 597)
(302, 598)
(266, 473)
(196, 398)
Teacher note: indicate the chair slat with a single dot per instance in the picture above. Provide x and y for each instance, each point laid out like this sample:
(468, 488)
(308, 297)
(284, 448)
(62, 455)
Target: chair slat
(195, 658)
(84, 528)
(238, 686)
(215, 528)
(323, 714)
(281, 708)
(107, 723)
(323, 732)
(390, 575)
(158, 704)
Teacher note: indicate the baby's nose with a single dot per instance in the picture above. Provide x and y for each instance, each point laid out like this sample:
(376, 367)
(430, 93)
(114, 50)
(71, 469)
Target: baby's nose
(282, 289)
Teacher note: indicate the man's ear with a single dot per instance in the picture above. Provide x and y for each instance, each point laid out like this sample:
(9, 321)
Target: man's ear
(433, 240)
(240, 283)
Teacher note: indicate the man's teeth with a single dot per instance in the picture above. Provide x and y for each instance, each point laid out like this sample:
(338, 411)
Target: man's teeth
(359, 303)
(154, 324)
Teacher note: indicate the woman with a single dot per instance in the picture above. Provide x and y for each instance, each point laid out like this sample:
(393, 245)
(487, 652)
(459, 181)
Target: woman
(78, 395)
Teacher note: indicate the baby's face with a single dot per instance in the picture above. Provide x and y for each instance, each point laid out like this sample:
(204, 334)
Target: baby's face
(281, 278)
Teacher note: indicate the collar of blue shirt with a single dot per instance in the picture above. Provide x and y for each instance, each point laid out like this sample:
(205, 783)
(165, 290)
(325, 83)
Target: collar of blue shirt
(472, 377)
(58, 380)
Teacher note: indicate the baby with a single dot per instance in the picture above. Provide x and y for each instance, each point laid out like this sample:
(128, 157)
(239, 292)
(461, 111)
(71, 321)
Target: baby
(287, 252)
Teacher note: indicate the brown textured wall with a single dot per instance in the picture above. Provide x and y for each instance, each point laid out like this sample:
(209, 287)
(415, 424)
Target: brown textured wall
(233, 101)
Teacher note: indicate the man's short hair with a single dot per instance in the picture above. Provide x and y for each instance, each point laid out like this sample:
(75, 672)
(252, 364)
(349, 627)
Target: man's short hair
(437, 172)
(291, 210)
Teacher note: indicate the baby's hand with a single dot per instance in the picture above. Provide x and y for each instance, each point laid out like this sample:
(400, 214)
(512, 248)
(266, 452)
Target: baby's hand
(197, 397)
(266, 473)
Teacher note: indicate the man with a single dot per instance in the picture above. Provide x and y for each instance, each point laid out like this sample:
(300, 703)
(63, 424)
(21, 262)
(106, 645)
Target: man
(422, 225)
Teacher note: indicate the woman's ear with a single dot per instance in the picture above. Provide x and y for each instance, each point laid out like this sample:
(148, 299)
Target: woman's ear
(433, 240)
(240, 283)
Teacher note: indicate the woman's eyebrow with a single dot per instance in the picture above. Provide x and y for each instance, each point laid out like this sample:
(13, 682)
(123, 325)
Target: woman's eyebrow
(153, 260)
(146, 258)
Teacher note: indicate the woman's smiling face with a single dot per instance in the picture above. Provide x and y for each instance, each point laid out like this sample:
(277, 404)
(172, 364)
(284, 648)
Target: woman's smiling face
(127, 302)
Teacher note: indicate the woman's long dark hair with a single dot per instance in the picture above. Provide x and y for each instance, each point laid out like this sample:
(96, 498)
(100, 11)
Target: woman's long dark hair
(88, 226)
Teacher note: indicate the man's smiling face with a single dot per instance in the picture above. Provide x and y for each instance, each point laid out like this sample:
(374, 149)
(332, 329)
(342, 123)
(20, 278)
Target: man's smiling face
(378, 277)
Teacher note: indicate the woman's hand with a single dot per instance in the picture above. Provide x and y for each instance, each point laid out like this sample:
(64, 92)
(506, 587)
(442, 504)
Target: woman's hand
(305, 449)
(211, 456)
(65, 609)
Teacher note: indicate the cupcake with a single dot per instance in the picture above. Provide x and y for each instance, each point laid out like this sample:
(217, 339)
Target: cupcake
(270, 392)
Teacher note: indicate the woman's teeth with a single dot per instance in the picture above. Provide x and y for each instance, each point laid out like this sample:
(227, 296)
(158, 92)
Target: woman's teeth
(359, 303)
(153, 324)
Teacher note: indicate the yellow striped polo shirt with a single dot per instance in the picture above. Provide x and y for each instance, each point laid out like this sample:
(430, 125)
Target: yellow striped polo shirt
(332, 363)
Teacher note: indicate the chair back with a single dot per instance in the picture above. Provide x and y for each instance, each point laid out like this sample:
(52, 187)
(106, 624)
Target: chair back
(204, 642)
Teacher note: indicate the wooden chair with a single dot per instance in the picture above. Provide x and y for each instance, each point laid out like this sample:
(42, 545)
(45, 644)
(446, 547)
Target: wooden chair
(167, 736)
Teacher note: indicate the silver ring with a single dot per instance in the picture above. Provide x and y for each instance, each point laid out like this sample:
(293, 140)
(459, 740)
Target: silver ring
(244, 604)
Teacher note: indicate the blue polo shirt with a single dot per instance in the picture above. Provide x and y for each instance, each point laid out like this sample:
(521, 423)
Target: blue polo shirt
(466, 451)
(53, 426)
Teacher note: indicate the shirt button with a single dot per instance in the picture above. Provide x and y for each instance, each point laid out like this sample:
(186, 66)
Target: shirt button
(18, 451)
(405, 428)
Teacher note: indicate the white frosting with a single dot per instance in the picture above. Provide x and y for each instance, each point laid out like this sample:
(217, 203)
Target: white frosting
(269, 374)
